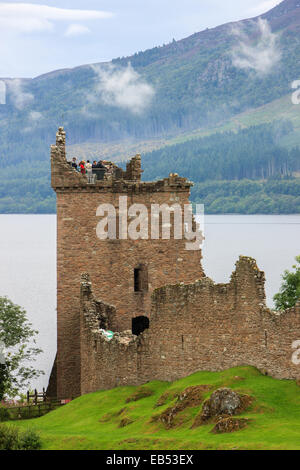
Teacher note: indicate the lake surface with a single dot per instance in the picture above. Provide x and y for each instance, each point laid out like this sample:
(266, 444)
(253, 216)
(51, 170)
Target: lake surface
(28, 262)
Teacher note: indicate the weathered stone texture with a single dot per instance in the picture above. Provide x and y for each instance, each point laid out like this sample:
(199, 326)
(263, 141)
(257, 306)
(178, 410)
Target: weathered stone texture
(110, 263)
(202, 326)
(195, 324)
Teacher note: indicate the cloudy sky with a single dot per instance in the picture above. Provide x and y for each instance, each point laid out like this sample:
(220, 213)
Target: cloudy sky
(46, 35)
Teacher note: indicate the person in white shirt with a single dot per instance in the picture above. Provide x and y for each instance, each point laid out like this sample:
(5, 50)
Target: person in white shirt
(89, 170)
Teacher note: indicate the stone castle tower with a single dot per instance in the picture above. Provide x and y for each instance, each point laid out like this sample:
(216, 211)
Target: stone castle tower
(124, 273)
(169, 320)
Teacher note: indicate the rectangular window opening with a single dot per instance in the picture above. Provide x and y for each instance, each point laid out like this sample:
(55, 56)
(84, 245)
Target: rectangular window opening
(141, 279)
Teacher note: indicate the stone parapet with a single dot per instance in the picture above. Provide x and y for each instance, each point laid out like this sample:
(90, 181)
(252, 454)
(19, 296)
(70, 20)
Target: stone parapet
(65, 178)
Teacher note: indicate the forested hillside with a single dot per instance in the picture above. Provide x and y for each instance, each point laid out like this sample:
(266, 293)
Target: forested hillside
(243, 172)
(196, 86)
(252, 153)
(196, 82)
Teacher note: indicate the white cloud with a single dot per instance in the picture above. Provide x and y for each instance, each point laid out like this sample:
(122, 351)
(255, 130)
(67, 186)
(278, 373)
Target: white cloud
(33, 120)
(27, 17)
(19, 97)
(2, 92)
(77, 30)
(122, 87)
(262, 55)
(35, 116)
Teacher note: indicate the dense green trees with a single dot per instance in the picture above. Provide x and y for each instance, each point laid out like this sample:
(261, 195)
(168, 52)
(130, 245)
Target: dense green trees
(235, 172)
(248, 154)
(290, 289)
(196, 86)
(249, 197)
(18, 339)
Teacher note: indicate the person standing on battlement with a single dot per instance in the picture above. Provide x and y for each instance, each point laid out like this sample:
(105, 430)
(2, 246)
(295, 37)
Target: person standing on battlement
(88, 166)
(82, 167)
(89, 170)
(100, 165)
(74, 163)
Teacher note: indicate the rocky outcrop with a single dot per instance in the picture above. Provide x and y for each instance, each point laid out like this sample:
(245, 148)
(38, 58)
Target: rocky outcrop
(223, 401)
(227, 425)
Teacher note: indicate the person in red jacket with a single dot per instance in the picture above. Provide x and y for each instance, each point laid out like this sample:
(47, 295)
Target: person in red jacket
(82, 167)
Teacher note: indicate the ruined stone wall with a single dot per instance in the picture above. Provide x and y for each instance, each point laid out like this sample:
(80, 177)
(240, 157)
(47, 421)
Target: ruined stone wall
(202, 326)
(105, 363)
(110, 263)
(194, 324)
(213, 327)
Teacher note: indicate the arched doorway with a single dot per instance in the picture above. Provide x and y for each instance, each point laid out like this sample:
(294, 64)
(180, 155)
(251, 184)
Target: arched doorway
(140, 324)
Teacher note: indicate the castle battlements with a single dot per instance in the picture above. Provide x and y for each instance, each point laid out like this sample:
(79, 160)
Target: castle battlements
(64, 177)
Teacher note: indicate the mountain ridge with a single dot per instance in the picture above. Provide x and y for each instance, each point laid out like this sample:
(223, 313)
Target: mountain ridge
(188, 77)
(283, 8)
(200, 85)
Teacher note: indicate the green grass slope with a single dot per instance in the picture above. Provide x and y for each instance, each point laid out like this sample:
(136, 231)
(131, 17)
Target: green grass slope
(107, 421)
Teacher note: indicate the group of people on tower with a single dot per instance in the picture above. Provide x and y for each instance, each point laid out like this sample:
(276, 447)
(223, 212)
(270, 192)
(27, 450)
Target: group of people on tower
(86, 167)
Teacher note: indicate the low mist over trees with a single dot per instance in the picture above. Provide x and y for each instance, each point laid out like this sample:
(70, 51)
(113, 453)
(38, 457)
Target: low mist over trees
(244, 172)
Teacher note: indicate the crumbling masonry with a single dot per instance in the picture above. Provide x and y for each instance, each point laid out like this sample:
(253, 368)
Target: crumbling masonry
(169, 320)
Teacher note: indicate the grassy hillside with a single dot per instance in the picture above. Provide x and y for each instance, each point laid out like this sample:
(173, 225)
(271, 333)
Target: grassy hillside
(281, 109)
(107, 420)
